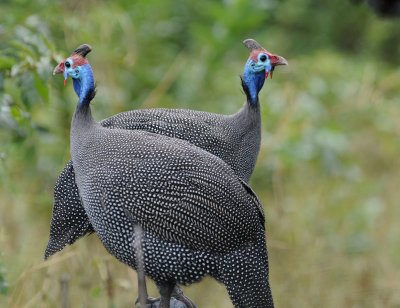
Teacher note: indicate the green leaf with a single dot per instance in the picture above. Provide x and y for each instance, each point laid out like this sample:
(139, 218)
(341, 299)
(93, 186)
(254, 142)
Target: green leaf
(41, 88)
(6, 63)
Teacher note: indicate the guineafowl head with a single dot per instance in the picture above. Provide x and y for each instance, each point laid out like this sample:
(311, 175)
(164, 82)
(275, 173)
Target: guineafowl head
(259, 66)
(78, 68)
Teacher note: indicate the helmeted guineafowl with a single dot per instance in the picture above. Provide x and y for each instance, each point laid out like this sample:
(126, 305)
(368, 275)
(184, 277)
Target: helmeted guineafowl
(198, 217)
(234, 138)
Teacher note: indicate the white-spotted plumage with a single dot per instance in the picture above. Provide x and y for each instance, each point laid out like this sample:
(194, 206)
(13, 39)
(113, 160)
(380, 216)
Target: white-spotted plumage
(233, 138)
(199, 217)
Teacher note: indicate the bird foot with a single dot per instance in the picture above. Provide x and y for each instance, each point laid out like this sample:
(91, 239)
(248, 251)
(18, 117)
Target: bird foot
(178, 294)
(176, 302)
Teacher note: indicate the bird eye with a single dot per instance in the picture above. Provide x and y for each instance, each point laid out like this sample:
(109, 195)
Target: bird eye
(67, 64)
(263, 58)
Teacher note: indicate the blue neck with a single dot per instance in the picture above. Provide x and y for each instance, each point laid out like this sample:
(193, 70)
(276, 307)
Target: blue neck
(254, 82)
(84, 86)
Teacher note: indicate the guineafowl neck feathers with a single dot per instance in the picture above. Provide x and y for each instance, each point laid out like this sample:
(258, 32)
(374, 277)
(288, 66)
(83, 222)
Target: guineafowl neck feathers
(252, 100)
(84, 86)
(83, 121)
(83, 115)
(252, 83)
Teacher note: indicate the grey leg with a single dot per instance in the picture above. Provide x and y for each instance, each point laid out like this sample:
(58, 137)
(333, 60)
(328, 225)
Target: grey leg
(166, 290)
(178, 294)
(143, 296)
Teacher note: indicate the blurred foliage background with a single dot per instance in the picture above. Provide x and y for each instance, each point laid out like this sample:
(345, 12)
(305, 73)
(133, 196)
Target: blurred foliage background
(328, 171)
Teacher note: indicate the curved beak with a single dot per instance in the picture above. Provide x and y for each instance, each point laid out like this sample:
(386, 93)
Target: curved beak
(278, 60)
(59, 69)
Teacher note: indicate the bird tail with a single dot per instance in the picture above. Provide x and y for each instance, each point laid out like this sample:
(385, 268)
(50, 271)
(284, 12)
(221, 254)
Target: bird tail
(246, 276)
